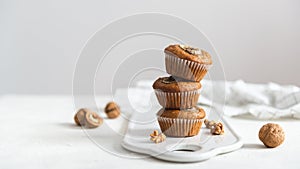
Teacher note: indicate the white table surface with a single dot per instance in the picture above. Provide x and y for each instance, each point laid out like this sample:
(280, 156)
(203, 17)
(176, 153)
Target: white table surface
(39, 132)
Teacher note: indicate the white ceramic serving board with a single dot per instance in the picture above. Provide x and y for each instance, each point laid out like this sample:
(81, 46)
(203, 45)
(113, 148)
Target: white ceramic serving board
(189, 149)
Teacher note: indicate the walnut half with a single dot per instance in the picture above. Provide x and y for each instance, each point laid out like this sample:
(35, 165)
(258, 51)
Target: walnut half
(216, 128)
(87, 118)
(156, 137)
(93, 120)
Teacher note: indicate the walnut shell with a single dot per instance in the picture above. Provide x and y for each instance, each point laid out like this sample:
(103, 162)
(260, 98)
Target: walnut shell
(79, 117)
(272, 135)
(112, 110)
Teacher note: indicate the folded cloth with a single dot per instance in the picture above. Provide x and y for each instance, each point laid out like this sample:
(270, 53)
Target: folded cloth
(262, 101)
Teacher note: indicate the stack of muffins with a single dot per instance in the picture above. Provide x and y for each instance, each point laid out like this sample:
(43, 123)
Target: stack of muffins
(179, 93)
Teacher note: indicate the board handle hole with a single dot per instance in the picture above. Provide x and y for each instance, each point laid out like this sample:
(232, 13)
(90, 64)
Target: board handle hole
(186, 148)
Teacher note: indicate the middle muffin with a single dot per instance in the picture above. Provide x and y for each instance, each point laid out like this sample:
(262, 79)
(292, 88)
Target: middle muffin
(176, 93)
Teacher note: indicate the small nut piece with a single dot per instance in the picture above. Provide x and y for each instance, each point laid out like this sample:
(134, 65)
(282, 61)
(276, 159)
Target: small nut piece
(112, 110)
(93, 120)
(157, 138)
(87, 118)
(272, 135)
(155, 133)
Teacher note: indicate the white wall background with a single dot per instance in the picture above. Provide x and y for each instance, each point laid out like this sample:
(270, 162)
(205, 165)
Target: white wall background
(40, 41)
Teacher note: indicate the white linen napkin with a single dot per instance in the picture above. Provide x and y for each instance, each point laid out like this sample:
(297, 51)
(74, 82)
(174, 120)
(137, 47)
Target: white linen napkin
(262, 101)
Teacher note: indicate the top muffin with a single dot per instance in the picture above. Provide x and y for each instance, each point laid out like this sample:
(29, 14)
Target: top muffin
(190, 53)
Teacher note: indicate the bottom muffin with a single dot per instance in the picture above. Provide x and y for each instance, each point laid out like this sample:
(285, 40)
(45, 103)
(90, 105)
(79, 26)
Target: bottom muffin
(180, 123)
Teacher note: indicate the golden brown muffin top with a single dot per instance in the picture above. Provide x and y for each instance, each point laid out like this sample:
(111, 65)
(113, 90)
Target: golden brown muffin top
(193, 113)
(171, 84)
(189, 53)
